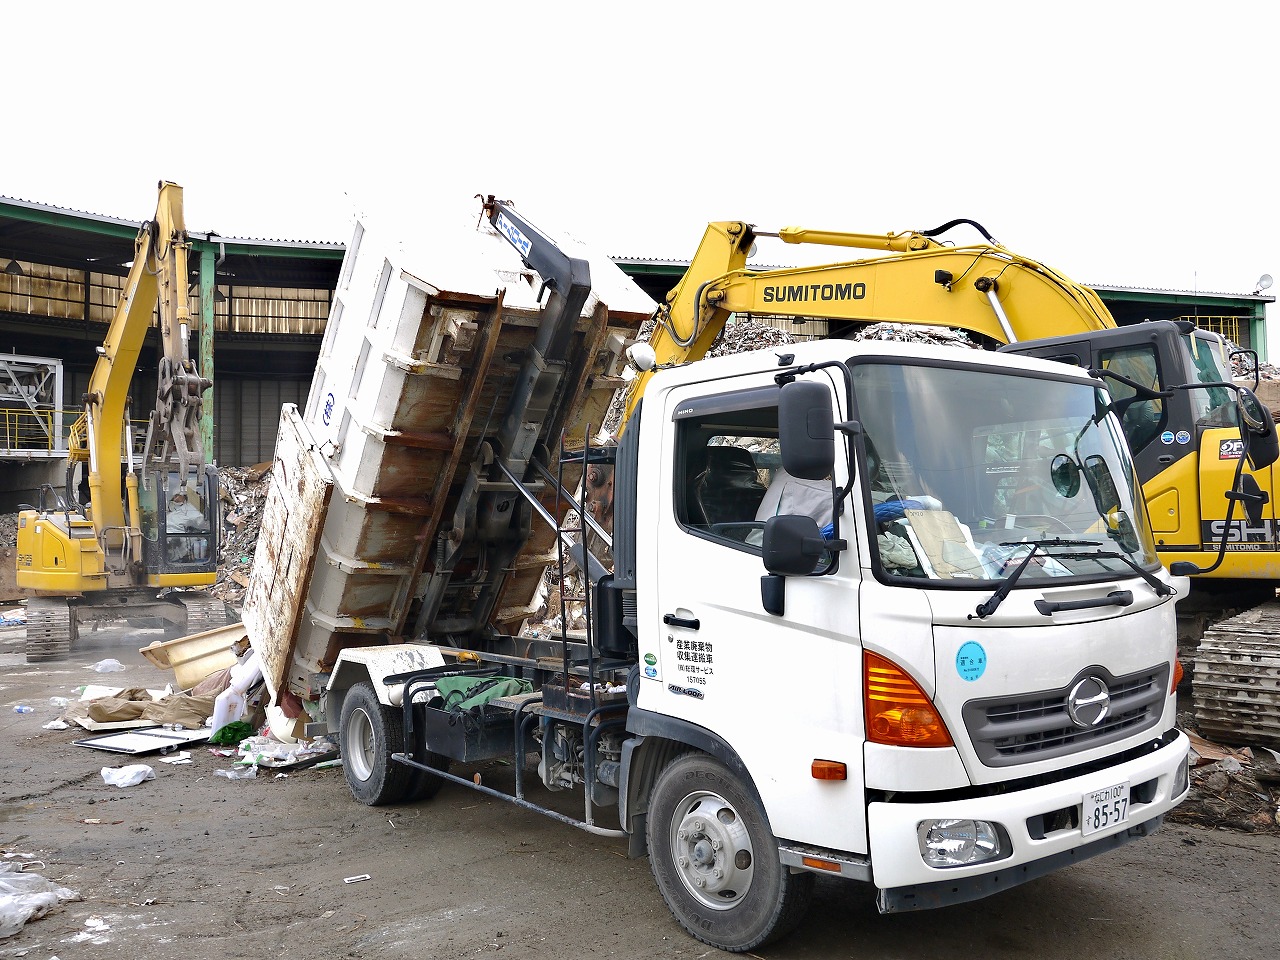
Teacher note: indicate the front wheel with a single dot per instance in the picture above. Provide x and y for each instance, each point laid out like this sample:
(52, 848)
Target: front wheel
(715, 859)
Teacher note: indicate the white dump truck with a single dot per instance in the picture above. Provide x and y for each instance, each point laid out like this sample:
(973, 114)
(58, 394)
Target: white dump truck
(824, 633)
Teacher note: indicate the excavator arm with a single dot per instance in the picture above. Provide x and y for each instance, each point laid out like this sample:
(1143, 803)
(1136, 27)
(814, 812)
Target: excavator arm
(157, 282)
(984, 289)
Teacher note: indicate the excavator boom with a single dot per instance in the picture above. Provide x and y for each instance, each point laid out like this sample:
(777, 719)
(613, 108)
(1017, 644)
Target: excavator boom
(984, 289)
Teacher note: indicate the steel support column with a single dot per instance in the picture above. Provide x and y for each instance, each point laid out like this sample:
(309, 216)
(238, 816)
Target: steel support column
(208, 278)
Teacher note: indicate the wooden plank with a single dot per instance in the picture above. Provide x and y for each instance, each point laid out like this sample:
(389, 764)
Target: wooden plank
(292, 516)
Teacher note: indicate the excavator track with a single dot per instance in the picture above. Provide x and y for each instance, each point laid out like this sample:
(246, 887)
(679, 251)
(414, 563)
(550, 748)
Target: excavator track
(51, 629)
(1237, 679)
(204, 612)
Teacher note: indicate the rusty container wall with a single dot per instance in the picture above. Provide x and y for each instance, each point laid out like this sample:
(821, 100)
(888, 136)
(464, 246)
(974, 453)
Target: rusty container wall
(411, 376)
(390, 380)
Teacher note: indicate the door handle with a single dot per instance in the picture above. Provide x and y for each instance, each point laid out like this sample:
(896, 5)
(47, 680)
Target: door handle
(671, 620)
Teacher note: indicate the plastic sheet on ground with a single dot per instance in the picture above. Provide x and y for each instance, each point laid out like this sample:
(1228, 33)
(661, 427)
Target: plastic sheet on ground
(269, 752)
(25, 895)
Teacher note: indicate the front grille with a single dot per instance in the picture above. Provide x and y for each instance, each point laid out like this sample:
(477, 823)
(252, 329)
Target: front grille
(1010, 730)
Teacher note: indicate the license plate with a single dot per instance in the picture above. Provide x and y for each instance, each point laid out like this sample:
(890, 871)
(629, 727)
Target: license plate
(1104, 808)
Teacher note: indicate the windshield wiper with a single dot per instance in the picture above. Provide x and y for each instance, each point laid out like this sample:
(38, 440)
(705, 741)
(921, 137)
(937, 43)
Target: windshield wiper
(992, 603)
(1161, 588)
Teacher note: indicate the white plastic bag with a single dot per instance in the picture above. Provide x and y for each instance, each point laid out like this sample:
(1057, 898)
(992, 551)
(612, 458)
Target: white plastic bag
(128, 776)
(230, 705)
(108, 666)
(26, 896)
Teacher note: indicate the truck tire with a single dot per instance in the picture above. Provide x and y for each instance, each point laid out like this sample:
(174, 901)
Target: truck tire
(715, 860)
(369, 733)
(426, 785)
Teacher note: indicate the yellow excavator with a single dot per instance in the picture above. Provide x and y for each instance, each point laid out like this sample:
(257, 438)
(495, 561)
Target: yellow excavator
(1202, 443)
(135, 524)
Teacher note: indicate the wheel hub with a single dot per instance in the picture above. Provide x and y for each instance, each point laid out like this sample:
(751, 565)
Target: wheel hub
(359, 746)
(712, 850)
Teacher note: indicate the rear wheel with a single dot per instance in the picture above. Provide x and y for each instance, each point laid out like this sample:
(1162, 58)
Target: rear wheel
(426, 785)
(369, 733)
(715, 859)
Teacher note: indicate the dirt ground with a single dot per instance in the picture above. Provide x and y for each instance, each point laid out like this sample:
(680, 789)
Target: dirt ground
(191, 865)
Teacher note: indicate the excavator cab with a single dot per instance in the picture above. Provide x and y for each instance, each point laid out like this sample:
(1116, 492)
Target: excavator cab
(179, 524)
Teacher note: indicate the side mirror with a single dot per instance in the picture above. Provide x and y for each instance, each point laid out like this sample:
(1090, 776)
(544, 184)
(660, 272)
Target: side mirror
(1103, 488)
(793, 545)
(1065, 474)
(806, 430)
(1264, 447)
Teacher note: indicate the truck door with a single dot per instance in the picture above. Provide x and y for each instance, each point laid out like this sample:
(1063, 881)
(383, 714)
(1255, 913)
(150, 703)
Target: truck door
(782, 691)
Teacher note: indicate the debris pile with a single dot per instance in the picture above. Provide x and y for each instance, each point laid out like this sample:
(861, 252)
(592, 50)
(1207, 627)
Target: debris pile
(1242, 365)
(244, 491)
(1233, 788)
(746, 334)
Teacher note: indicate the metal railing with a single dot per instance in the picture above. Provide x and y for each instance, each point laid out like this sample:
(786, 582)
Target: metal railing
(39, 432)
(48, 434)
(1229, 327)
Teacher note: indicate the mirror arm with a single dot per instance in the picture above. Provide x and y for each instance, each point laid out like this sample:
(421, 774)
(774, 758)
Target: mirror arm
(1140, 392)
(1190, 569)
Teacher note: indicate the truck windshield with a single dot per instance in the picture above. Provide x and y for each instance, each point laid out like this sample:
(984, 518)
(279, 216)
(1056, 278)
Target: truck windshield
(967, 467)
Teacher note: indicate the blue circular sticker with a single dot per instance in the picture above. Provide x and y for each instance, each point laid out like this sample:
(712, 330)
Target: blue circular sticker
(971, 661)
(1184, 436)
(1166, 437)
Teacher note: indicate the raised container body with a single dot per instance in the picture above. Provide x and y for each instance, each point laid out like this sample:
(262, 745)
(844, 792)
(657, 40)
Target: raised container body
(419, 359)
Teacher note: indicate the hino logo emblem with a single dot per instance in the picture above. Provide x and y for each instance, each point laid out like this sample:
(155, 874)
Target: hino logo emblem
(1088, 702)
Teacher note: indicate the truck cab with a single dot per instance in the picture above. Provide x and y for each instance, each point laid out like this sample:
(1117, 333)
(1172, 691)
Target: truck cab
(970, 676)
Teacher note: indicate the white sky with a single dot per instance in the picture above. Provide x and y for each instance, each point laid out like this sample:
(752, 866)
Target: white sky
(1122, 143)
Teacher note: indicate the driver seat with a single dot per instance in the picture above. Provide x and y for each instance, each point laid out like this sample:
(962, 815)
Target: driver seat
(729, 489)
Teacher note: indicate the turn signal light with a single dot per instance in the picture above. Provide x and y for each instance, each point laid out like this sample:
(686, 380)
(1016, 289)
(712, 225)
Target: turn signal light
(897, 711)
(817, 863)
(1177, 676)
(829, 770)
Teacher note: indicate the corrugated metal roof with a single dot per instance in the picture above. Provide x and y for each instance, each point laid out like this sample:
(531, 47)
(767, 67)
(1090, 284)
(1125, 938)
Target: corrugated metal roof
(134, 225)
(1112, 288)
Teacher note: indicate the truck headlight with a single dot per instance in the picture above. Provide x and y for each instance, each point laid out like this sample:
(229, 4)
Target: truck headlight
(958, 843)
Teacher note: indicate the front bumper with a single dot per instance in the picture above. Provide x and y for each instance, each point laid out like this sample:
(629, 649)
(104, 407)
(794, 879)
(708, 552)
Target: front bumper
(906, 882)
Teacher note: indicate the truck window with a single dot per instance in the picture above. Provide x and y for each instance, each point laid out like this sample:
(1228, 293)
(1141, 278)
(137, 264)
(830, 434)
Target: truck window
(1144, 420)
(726, 460)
